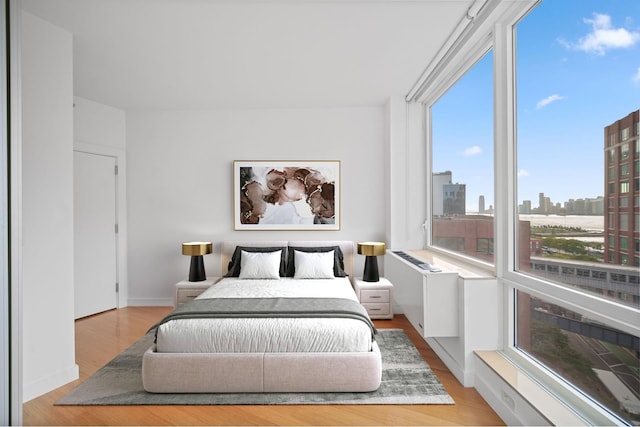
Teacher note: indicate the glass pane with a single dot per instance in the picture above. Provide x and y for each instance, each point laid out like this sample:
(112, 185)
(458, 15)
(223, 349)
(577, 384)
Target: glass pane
(462, 190)
(575, 148)
(602, 362)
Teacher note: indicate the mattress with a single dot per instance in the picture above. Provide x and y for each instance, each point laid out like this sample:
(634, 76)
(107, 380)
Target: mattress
(268, 335)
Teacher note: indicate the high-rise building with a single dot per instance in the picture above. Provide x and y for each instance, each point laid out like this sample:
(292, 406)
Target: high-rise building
(621, 188)
(481, 204)
(440, 179)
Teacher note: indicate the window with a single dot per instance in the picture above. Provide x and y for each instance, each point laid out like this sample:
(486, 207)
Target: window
(624, 134)
(624, 169)
(572, 345)
(623, 224)
(462, 165)
(624, 151)
(484, 246)
(624, 243)
(624, 202)
(624, 187)
(560, 128)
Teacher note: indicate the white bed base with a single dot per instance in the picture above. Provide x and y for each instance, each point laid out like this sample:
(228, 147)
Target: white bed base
(261, 372)
(264, 372)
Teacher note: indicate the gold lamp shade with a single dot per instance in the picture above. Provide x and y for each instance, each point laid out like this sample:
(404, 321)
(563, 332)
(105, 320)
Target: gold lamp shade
(196, 250)
(371, 250)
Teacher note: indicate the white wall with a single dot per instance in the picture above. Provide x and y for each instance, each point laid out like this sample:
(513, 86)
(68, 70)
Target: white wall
(99, 124)
(180, 181)
(47, 203)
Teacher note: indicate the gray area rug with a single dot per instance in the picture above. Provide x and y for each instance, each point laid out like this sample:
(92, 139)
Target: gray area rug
(406, 379)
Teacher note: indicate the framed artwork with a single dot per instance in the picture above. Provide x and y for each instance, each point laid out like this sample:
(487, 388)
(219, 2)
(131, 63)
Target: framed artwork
(286, 195)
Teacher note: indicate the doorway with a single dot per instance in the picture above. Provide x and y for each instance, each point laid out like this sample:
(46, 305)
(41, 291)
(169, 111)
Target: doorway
(95, 233)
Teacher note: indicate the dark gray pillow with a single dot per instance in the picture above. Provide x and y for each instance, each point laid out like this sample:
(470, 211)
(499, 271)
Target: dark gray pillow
(338, 258)
(234, 264)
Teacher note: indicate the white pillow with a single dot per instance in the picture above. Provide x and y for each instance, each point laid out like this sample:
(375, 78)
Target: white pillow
(260, 265)
(313, 265)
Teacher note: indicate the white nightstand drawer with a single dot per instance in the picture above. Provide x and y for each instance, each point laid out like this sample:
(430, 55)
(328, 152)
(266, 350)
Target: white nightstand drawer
(185, 295)
(375, 309)
(374, 295)
(186, 291)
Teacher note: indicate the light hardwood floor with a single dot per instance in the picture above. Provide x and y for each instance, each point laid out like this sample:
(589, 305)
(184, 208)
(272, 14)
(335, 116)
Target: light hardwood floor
(101, 337)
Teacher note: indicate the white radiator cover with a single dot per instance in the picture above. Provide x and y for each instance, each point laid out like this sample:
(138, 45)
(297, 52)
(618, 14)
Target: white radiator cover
(456, 310)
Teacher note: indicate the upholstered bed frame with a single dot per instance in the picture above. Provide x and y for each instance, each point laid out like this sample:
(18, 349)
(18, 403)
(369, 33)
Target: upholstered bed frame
(264, 372)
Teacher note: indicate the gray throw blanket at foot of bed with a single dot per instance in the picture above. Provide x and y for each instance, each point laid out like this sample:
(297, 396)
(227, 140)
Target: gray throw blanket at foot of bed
(219, 308)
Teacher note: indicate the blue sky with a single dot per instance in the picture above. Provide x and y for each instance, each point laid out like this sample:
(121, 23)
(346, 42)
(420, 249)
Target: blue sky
(578, 70)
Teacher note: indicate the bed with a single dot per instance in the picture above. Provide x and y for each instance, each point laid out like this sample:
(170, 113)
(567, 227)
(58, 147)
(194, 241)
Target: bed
(284, 318)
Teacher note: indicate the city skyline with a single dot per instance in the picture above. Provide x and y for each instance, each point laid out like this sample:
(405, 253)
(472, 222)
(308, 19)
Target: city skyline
(573, 80)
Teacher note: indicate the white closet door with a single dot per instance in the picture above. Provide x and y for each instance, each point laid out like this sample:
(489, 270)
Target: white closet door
(95, 250)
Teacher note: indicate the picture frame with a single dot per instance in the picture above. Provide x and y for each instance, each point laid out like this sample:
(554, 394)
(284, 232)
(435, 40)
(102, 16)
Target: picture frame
(286, 194)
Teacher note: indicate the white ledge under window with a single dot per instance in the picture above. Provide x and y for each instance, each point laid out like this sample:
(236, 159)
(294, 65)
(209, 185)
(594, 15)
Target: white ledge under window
(517, 397)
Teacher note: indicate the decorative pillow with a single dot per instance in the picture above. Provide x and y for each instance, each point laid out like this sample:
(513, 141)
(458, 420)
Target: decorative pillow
(314, 265)
(338, 258)
(260, 265)
(234, 264)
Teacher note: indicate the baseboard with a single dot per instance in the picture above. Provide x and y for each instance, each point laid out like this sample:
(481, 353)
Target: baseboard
(150, 302)
(50, 382)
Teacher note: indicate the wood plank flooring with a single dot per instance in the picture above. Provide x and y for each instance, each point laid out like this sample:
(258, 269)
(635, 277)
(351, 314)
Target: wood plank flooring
(101, 337)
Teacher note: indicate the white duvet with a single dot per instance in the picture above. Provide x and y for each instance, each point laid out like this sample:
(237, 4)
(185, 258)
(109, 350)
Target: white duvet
(271, 334)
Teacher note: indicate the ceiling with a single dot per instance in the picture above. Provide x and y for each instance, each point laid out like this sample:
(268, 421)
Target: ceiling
(203, 54)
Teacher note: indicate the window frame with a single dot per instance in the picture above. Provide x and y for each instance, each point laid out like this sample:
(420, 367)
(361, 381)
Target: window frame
(501, 38)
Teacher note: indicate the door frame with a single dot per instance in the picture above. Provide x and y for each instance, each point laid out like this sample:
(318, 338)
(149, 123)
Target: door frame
(121, 211)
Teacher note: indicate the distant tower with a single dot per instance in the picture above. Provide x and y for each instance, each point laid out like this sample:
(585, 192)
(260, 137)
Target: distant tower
(541, 203)
(481, 204)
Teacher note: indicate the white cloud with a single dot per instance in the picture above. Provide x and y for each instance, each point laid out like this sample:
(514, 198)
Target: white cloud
(472, 151)
(548, 100)
(522, 173)
(604, 36)
(636, 76)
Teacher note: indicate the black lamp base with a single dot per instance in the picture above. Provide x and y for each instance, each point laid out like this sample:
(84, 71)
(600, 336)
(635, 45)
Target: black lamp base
(371, 269)
(196, 271)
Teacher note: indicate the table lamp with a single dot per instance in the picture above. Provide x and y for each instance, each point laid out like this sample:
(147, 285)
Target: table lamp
(196, 250)
(371, 250)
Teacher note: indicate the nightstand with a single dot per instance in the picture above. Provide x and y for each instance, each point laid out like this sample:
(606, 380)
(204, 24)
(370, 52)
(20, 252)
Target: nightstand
(376, 297)
(187, 291)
